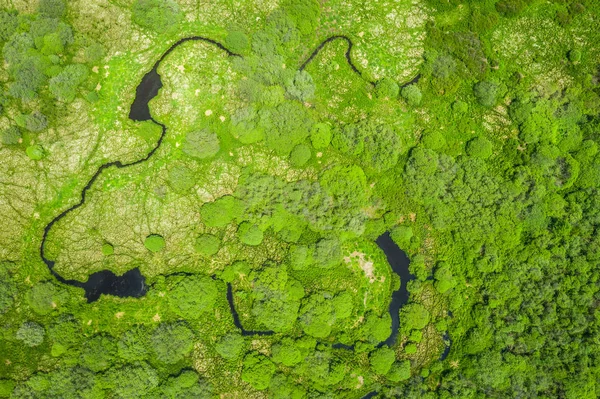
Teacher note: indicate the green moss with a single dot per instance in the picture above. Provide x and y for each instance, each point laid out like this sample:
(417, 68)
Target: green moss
(154, 243)
(207, 244)
(107, 249)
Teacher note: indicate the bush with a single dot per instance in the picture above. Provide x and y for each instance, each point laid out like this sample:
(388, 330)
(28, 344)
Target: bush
(286, 353)
(11, 135)
(387, 88)
(36, 121)
(413, 316)
(201, 144)
(134, 345)
(35, 152)
(131, 381)
(257, 371)
(250, 234)
(9, 22)
(98, 353)
(207, 244)
(328, 253)
(433, 140)
(412, 94)
(400, 371)
(31, 333)
(444, 280)
(154, 243)
(157, 15)
(237, 42)
(230, 346)
(221, 212)
(172, 342)
(45, 297)
(479, 147)
(193, 296)
(28, 76)
(510, 8)
(52, 8)
(301, 86)
(401, 235)
(320, 135)
(486, 93)
(64, 85)
(107, 249)
(186, 385)
(300, 155)
(382, 359)
(574, 56)
(290, 125)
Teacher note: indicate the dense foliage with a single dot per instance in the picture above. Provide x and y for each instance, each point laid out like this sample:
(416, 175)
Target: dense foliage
(466, 129)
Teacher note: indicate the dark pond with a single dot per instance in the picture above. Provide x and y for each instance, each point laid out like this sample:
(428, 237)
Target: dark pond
(399, 263)
(146, 91)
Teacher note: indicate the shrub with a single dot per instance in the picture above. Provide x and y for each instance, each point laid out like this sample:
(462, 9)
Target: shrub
(134, 345)
(301, 86)
(107, 249)
(574, 56)
(193, 296)
(221, 212)
(460, 107)
(98, 353)
(444, 280)
(154, 243)
(510, 8)
(9, 22)
(157, 15)
(207, 244)
(290, 126)
(413, 316)
(31, 333)
(201, 144)
(28, 76)
(172, 342)
(382, 359)
(35, 152)
(479, 147)
(328, 253)
(64, 85)
(300, 155)
(131, 381)
(286, 352)
(11, 135)
(250, 234)
(400, 371)
(230, 346)
(486, 92)
(257, 370)
(434, 140)
(402, 235)
(301, 256)
(237, 41)
(45, 297)
(412, 94)
(387, 88)
(320, 135)
(36, 121)
(52, 8)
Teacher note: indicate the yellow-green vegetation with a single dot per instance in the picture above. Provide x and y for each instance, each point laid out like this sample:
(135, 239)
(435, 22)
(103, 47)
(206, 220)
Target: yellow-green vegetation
(252, 199)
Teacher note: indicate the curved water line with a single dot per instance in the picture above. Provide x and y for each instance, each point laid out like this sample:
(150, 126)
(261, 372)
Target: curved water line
(132, 283)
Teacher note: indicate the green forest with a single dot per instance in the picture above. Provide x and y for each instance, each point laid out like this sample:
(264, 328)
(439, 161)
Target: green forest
(306, 199)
